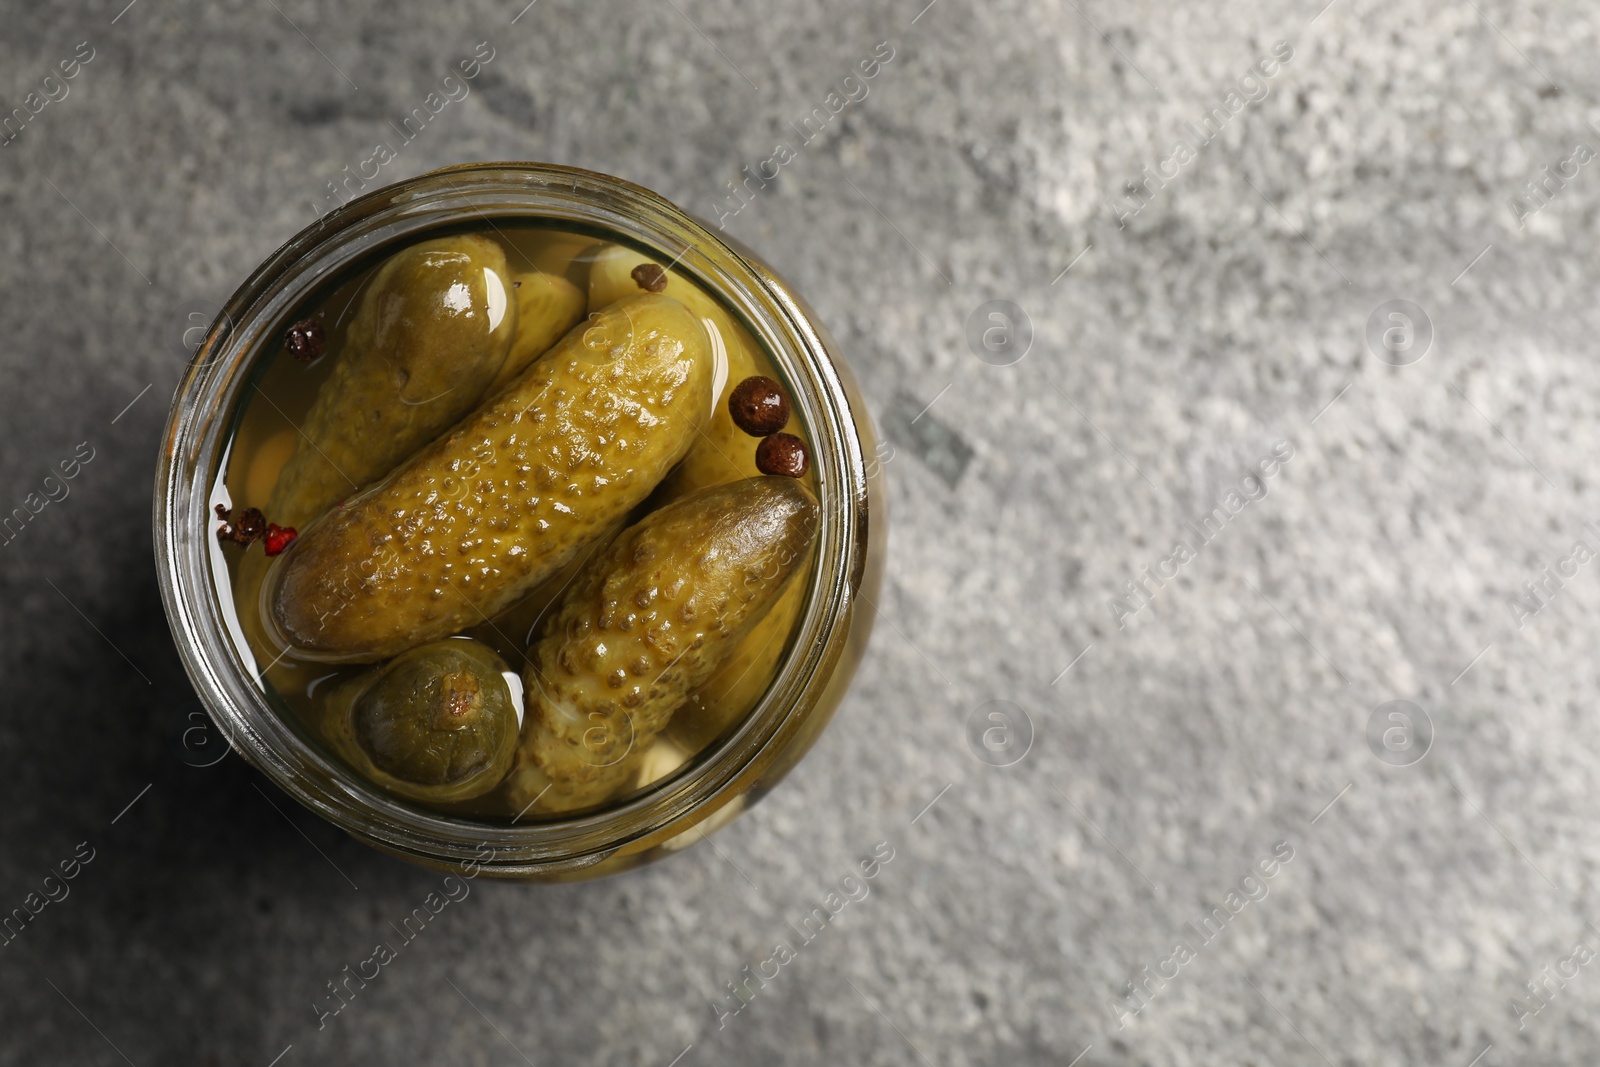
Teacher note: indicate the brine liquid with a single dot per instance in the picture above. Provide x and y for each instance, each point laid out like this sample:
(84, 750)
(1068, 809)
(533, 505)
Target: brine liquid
(266, 434)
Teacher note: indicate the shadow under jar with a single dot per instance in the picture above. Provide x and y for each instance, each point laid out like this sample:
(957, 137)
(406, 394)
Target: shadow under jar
(470, 553)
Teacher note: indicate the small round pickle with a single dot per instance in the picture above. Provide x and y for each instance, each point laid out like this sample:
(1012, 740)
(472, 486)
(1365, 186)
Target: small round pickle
(476, 520)
(646, 623)
(437, 724)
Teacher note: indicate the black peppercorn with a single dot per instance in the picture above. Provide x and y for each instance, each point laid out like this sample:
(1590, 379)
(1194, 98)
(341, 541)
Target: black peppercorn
(306, 339)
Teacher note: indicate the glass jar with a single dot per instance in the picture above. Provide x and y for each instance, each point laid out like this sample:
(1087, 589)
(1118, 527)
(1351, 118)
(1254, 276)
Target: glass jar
(724, 779)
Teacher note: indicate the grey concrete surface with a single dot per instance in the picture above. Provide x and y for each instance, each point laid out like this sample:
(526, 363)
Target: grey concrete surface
(1221, 714)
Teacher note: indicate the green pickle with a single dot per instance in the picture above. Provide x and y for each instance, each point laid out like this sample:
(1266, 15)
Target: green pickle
(432, 326)
(430, 332)
(741, 678)
(547, 307)
(536, 568)
(437, 723)
(644, 624)
(477, 519)
(722, 452)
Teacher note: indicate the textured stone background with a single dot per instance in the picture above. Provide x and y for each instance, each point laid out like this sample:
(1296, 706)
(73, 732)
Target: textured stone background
(1179, 749)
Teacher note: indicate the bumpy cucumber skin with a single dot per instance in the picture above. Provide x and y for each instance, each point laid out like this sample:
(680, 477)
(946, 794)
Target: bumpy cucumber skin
(647, 622)
(477, 519)
(740, 679)
(723, 452)
(419, 353)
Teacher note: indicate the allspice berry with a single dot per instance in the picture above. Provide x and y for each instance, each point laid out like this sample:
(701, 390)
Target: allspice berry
(250, 528)
(783, 454)
(649, 277)
(306, 339)
(758, 406)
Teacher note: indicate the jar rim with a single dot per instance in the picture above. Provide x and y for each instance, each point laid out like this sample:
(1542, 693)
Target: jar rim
(198, 435)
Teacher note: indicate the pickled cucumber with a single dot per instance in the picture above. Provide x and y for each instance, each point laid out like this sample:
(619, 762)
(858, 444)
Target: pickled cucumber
(515, 626)
(477, 519)
(646, 623)
(437, 723)
(430, 332)
(547, 306)
(722, 452)
(738, 682)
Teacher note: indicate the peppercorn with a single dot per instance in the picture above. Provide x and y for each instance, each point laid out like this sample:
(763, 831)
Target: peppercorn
(783, 454)
(758, 406)
(247, 531)
(306, 340)
(279, 538)
(650, 277)
(251, 525)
